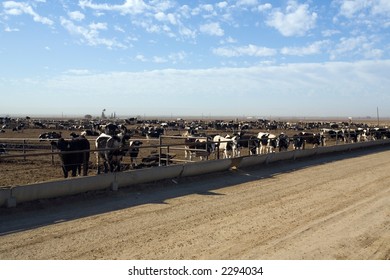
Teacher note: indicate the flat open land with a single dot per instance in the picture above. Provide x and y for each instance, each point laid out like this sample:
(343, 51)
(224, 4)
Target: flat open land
(333, 207)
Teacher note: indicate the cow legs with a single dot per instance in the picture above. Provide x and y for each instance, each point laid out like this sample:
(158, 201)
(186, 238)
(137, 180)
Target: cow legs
(65, 171)
(85, 168)
(105, 164)
(75, 168)
(78, 170)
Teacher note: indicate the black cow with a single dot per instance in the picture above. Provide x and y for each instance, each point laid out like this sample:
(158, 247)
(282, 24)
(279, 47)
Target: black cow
(298, 142)
(283, 142)
(74, 153)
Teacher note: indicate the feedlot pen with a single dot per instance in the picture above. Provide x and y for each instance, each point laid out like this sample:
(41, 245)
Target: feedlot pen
(31, 160)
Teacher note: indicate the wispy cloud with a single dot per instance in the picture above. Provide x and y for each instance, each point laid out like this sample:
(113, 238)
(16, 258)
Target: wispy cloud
(128, 7)
(360, 46)
(90, 34)
(314, 48)
(249, 50)
(13, 8)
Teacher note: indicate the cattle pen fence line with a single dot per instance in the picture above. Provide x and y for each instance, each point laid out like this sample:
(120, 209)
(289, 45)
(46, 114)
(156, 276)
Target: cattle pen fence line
(11, 196)
(24, 148)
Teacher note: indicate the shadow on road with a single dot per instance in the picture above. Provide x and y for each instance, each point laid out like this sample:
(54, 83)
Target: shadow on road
(51, 211)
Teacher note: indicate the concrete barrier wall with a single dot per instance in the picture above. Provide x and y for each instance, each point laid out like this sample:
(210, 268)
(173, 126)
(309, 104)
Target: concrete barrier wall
(133, 177)
(252, 160)
(204, 167)
(5, 194)
(10, 196)
(59, 188)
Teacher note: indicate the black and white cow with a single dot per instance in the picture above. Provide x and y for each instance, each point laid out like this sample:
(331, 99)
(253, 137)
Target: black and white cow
(228, 145)
(249, 142)
(134, 151)
(203, 148)
(316, 139)
(335, 134)
(74, 154)
(49, 136)
(154, 132)
(111, 149)
(110, 129)
(197, 144)
(2, 149)
(268, 142)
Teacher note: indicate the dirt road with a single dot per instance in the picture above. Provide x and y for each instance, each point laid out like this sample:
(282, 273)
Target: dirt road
(334, 207)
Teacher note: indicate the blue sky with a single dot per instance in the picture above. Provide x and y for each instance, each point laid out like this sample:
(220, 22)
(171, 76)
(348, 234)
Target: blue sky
(200, 58)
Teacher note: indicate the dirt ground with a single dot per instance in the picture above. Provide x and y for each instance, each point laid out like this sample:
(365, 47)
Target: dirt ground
(330, 207)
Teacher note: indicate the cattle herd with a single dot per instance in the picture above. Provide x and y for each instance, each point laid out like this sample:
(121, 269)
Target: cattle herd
(113, 140)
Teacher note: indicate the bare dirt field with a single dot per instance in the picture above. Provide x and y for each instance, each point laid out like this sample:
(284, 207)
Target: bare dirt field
(329, 207)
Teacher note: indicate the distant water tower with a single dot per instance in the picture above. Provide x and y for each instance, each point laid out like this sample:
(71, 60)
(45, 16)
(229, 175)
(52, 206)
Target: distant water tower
(103, 115)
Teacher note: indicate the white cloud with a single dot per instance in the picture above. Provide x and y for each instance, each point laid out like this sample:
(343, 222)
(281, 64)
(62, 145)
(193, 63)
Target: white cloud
(222, 5)
(207, 7)
(228, 40)
(159, 59)
(78, 72)
(118, 28)
(171, 18)
(90, 34)
(98, 26)
(295, 21)
(330, 32)
(173, 58)
(212, 29)
(363, 11)
(314, 48)
(140, 57)
(249, 50)
(247, 2)
(17, 8)
(264, 7)
(349, 8)
(76, 15)
(128, 7)
(9, 29)
(360, 46)
(187, 32)
(381, 7)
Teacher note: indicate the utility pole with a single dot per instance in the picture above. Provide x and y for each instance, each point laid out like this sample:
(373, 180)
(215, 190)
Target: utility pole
(377, 114)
